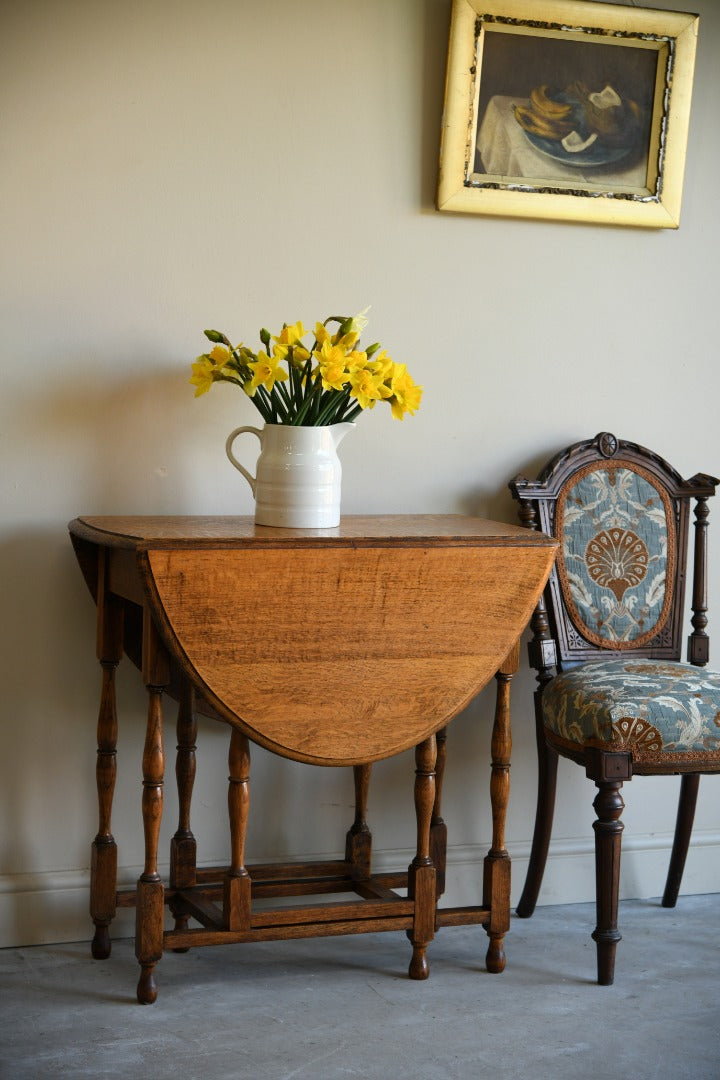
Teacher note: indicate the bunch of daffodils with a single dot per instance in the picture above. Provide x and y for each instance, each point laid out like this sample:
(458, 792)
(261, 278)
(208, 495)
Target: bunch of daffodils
(329, 383)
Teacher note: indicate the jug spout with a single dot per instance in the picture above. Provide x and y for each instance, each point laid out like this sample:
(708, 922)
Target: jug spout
(339, 431)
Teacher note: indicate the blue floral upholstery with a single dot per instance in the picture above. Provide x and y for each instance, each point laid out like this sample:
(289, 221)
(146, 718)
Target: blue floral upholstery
(617, 557)
(660, 711)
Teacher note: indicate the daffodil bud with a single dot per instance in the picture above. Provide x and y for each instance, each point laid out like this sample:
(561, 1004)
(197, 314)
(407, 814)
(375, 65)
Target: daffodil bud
(265, 337)
(372, 349)
(216, 337)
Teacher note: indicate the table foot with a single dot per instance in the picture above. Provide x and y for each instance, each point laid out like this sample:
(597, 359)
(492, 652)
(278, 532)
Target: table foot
(147, 988)
(495, 957)
(419, 968)
(101, 946)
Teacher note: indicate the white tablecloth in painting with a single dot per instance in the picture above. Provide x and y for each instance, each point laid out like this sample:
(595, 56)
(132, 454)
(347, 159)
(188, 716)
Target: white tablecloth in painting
(502, 149)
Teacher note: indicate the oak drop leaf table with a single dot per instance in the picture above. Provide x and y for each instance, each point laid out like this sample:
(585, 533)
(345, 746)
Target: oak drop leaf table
(334, 647)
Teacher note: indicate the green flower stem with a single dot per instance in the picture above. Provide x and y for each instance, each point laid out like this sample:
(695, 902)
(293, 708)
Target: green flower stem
(305, 395)
(334, 408)
(353, 413)
(263, 404)
(230, 379)
(281, 391)
(304, 413)
(282, 406)
(294, 383)
(301, 413)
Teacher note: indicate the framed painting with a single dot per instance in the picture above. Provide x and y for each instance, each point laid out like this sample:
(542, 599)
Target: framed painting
(567, 110)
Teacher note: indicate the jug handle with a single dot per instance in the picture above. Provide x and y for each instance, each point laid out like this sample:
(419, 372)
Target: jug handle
(252, 481)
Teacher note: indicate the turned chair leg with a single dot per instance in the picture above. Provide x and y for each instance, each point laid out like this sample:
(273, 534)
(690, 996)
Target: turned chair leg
(683, 828)
(608, 828)
(547, 783)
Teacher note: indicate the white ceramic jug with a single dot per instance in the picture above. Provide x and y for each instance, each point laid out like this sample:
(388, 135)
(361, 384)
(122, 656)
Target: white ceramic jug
(298, 474)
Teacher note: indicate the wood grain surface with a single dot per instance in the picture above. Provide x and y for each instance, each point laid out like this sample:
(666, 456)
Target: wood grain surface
(336, 646)
(341, 655)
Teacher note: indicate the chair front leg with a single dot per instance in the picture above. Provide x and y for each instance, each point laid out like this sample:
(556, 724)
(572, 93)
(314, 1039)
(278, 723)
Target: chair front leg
(608, 828)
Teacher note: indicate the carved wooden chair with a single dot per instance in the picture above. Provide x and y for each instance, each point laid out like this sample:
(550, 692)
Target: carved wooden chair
(613, 694)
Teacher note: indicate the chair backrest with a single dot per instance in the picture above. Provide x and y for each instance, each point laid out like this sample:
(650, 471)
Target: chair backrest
(621, 514)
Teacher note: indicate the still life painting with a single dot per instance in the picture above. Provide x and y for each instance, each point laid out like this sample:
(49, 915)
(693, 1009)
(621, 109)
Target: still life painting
(567, 110)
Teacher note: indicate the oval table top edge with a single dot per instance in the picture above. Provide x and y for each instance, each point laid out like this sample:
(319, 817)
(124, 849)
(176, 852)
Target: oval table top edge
(144, 532)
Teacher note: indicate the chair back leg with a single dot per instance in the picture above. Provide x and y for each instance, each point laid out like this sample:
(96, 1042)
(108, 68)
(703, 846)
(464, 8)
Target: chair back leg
(683, 828)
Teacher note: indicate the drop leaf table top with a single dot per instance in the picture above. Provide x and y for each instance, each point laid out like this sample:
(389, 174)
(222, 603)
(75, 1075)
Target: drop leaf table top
(333, 647)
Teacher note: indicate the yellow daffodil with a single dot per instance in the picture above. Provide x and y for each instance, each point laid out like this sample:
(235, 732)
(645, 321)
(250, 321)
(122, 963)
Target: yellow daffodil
(322, 334)
(356, 361)
(359, 321)
(265, 372)
(290, 335)
(404, 394)
(220, 356)
(327, 383)
(203, 375)
(382, 365)
(346, 341)
(299, 356)
(367, 388)
(329, 353)
(333, 375)
(331, 369)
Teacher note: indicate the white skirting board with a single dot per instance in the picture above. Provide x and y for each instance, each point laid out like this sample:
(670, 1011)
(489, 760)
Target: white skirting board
(49, 907)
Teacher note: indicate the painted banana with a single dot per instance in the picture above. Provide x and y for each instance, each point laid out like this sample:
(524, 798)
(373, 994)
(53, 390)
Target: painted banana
(528, 119)
(547, 106)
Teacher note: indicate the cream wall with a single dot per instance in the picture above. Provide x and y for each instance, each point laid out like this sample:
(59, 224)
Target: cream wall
(169, 165)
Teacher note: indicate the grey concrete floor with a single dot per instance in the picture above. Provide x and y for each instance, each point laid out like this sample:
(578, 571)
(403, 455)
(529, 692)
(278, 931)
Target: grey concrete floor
(343, 1007)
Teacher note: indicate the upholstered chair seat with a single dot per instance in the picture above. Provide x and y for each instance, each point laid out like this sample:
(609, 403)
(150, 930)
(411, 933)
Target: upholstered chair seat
(662, 713)
(613, 694)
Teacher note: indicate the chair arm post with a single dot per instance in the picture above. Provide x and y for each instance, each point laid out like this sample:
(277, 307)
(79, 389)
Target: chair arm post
(698, 641)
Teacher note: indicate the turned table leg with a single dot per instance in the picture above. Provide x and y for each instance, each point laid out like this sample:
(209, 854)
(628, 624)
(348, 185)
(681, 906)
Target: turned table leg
(421, 874)
(150, 895)
(237, 885)
(358, 841)
(103, 863)
(183, 847)
(496, 867)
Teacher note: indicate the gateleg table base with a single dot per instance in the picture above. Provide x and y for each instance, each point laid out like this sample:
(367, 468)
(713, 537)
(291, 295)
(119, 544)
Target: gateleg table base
(386, 629)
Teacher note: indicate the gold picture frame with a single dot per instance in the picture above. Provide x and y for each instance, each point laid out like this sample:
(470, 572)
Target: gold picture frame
(567, 110)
